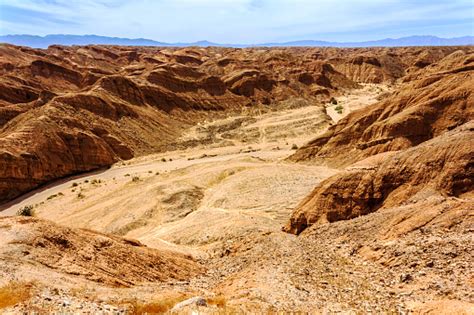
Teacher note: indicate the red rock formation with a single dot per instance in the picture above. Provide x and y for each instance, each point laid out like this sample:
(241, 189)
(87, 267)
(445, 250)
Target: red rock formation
(421, 109)
(65, 110)
(419, 141)
(444, 165)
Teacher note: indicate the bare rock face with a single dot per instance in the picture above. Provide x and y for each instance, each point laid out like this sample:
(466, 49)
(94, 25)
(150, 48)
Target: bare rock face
(65, 110)
(424, 108)
(102, 258)
(373, 69)
(416, 142)
(444, 165)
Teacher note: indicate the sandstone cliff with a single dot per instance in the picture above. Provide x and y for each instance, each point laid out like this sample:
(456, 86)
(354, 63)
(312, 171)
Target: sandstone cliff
(414, 144)
(441, 166)
(429, 104)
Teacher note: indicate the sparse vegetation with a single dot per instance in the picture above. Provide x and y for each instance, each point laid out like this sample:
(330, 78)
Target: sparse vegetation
(55, 195)
(26, 211)
(14, 293)
(126, 175)
(339, 109)
(96, 181)
(156, 307)
(219, 301)
(223, 175)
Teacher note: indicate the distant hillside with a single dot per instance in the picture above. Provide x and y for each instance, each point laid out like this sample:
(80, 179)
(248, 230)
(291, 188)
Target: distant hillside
(388, 42)
(45, 41)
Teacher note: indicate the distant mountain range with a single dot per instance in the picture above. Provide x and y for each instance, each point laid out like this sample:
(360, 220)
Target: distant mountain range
(45, 41)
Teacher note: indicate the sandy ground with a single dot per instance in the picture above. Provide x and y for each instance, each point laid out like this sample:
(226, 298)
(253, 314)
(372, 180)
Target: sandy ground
(267, 138)
(355, 100)
(236, 183)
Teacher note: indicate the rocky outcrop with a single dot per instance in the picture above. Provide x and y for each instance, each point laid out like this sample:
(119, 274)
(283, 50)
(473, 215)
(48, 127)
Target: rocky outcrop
(245, 82)
(417, 142)
(421, 109)
(443, 165)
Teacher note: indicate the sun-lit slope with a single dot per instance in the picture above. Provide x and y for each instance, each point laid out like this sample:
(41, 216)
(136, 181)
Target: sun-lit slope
(436, 106)
(429, 103)
(38, 245)
(441, 166)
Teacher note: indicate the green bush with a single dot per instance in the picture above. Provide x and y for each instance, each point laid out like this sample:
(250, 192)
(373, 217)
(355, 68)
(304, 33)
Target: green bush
(26, 211)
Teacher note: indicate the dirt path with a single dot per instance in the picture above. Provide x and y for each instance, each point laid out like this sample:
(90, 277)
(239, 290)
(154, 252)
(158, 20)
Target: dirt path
(355, 100)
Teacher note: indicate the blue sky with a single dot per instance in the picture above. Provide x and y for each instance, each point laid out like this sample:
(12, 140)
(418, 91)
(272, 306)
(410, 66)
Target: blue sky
(239, 21)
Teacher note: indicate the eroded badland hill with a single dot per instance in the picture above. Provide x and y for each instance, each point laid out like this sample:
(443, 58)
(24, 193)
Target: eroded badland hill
(224, 180)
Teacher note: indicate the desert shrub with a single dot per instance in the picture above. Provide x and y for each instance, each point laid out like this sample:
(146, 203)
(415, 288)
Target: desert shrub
(218, 301)
(86, 181)
(159, 306)
(163, 160)
(80, 195)
(333, 101)
(126, 175)
(339, 109)
(74, 184)
(135, 179)
(294, 147)
(26, 211)
(55, 195)
(14, 293)
(96, 181)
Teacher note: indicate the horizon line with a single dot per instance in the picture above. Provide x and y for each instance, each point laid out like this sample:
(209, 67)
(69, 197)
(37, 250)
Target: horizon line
(245, 44)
